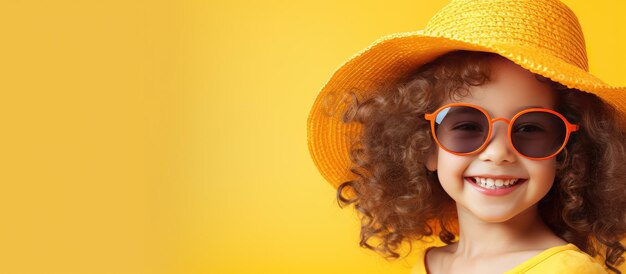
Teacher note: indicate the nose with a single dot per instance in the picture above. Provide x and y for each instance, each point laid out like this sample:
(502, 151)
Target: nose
(498, 149)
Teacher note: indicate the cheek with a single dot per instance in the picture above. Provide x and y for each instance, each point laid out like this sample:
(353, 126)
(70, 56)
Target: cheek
(546, 168)
(543, 173)
(449, 161)
(451, 168)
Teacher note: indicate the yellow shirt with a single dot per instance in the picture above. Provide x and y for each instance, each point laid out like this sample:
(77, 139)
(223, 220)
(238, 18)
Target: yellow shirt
(559, 259)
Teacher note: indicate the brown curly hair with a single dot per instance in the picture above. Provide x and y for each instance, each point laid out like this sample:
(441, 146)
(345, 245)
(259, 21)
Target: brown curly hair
(399, 200)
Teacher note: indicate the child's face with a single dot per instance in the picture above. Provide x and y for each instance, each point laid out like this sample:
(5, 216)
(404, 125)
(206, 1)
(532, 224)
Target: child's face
(510, 90)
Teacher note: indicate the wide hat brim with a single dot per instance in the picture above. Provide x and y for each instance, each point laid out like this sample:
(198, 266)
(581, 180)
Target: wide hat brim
(394, 57)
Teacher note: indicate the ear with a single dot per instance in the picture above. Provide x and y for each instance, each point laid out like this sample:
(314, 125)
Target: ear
(431, 160)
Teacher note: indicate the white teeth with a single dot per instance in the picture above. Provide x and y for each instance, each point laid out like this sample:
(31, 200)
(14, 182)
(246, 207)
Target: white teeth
(494, 183)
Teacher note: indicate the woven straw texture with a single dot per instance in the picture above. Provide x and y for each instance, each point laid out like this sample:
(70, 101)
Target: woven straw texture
(543, 36)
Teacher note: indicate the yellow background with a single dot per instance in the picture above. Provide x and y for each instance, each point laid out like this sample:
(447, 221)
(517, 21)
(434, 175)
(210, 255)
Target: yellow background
(170, 137)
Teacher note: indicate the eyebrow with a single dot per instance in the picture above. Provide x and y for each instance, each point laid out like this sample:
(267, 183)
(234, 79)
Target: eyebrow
(520, 109)
(527, 107)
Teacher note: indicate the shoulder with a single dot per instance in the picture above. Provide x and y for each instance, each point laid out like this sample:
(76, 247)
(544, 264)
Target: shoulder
(430, 258)
(564, 259)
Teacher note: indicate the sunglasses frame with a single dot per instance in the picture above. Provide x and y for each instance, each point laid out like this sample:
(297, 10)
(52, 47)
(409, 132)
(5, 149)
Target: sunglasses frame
(569, 128)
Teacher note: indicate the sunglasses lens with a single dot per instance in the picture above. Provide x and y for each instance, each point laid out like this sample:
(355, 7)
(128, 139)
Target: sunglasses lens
(461, 129)
(538, 134)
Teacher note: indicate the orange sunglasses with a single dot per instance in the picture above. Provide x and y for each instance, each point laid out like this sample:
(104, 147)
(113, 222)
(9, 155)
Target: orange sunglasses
(534, 133)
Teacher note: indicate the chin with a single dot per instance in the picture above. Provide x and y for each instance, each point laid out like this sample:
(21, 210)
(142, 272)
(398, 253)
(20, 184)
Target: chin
(494, 217)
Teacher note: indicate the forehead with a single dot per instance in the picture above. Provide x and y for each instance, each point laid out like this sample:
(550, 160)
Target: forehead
(510, 89)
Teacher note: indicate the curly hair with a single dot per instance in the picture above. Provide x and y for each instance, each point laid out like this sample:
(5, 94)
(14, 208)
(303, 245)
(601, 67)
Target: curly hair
(399, 199)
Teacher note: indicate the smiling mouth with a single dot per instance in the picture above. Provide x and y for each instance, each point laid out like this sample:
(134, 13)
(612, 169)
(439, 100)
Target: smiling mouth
(490, 183)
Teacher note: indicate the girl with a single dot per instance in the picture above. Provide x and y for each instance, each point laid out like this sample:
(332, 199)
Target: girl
(485, 130)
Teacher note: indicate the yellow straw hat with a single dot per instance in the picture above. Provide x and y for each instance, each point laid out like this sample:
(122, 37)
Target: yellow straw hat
(542, 36)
